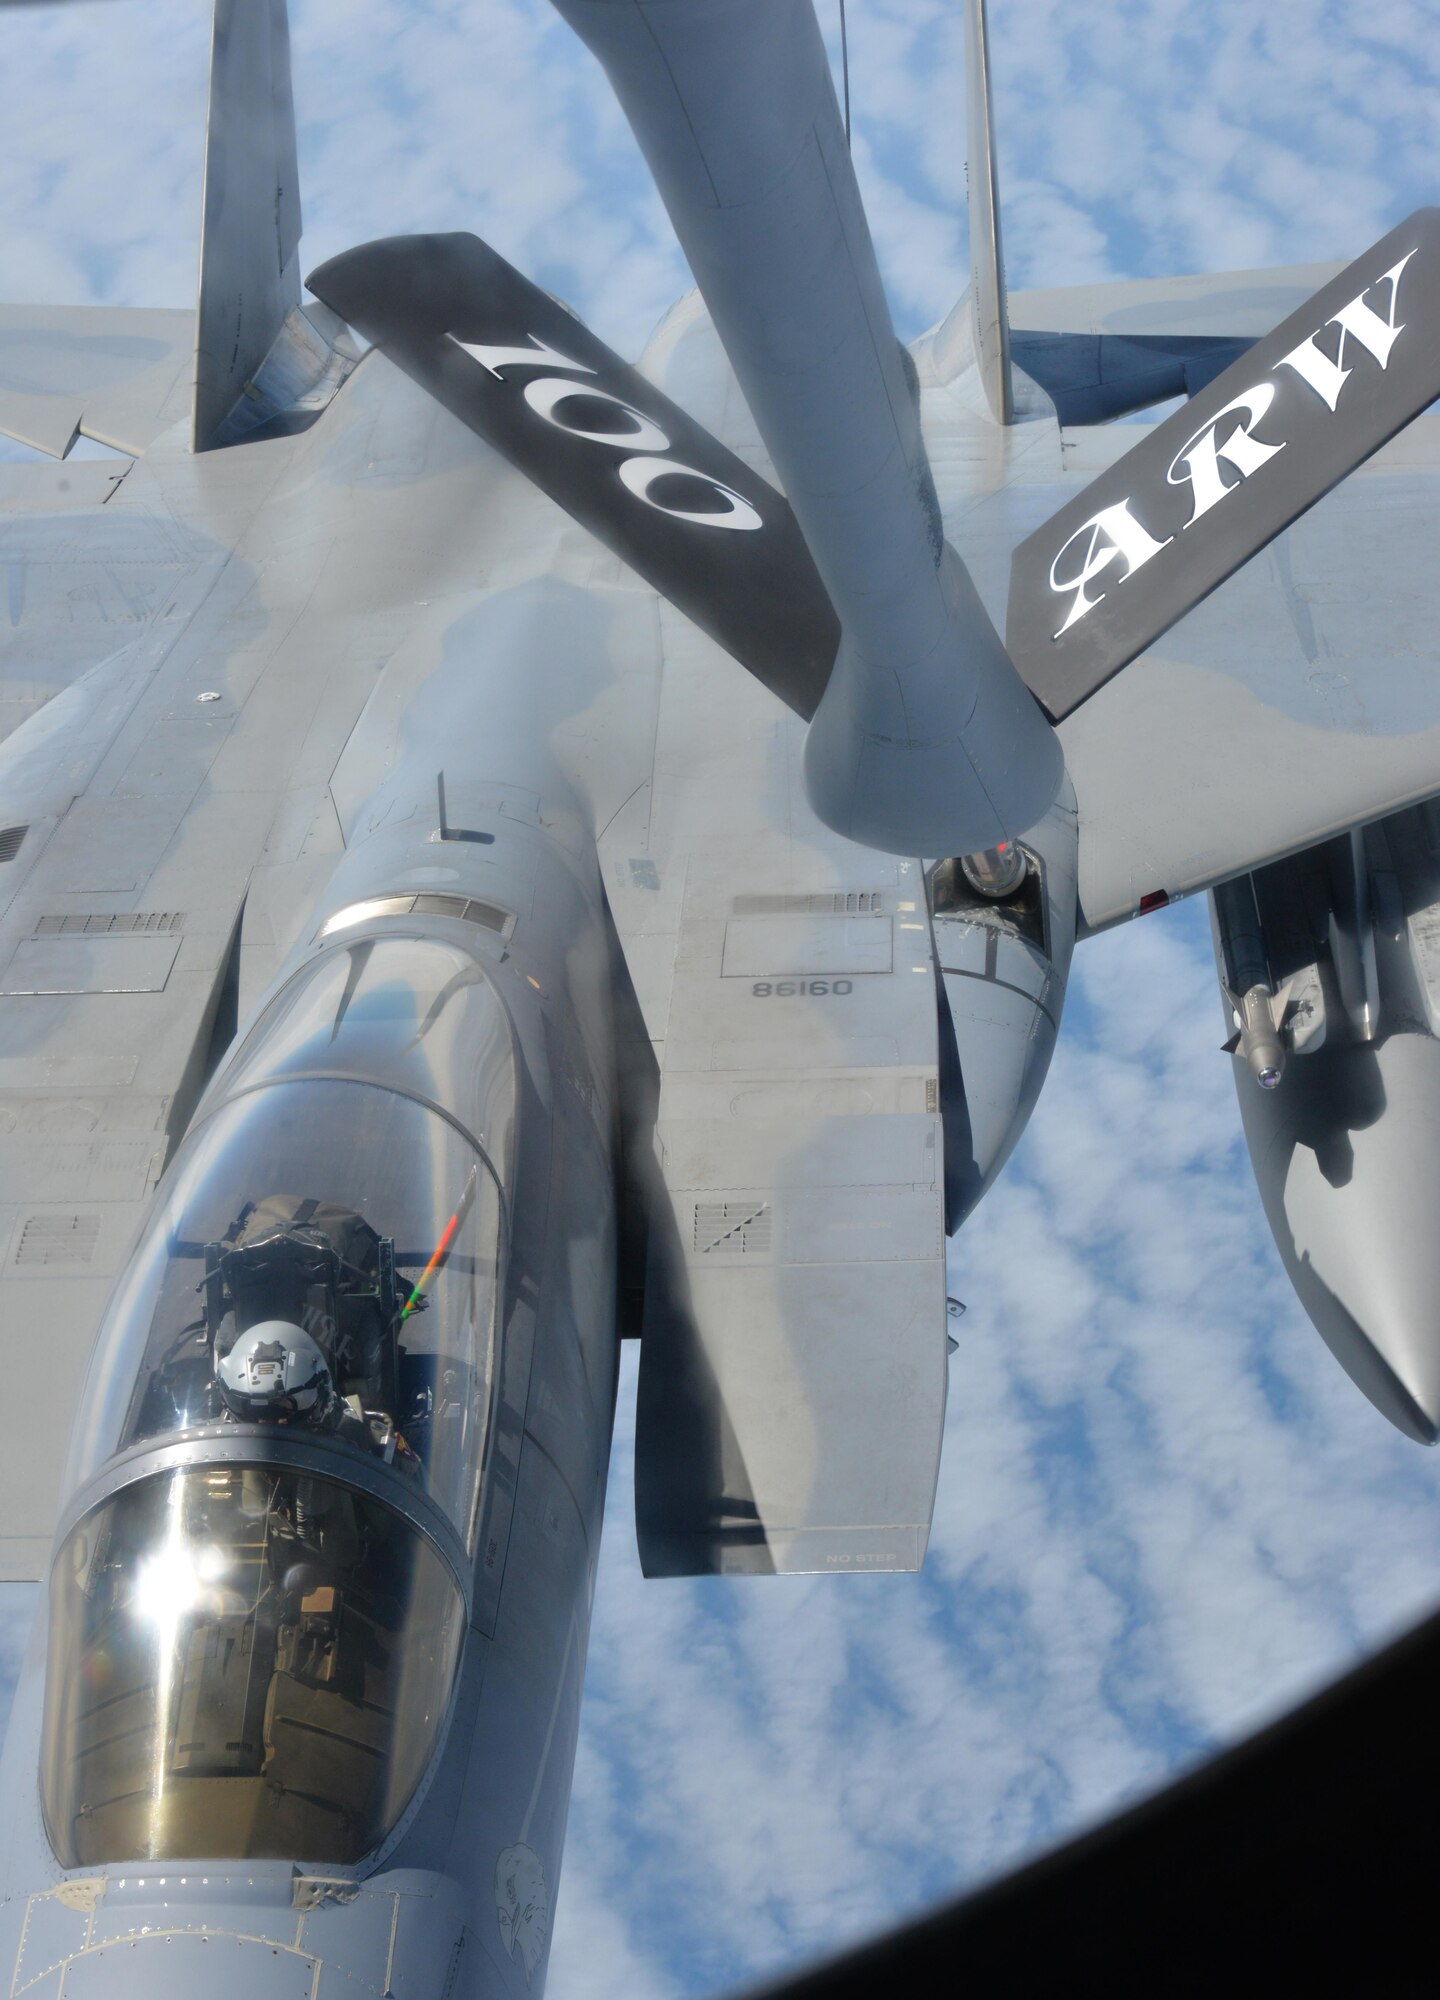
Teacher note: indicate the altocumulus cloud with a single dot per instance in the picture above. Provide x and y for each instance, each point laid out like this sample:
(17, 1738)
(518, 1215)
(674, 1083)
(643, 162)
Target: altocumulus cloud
(1163, 1512)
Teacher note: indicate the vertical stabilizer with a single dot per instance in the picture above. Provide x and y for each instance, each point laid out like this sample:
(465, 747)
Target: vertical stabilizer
(987, 262)
(250, 227)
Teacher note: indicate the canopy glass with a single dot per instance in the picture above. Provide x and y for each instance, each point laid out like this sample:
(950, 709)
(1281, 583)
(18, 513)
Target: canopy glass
(245, 1661)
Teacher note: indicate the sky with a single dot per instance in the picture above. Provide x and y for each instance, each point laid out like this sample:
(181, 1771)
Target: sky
(1163, 1512)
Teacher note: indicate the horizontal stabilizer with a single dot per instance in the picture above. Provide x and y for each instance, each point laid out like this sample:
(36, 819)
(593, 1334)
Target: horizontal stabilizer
(113, 373)
(1220, 305)
(1172, 519)
(648, 481)
(1092, 378)
(250, 228)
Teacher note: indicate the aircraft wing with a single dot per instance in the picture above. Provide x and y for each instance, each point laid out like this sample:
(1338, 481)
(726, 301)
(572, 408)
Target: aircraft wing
(115, 932)
(1283, 708)
(1102, 351)
(792, 1369)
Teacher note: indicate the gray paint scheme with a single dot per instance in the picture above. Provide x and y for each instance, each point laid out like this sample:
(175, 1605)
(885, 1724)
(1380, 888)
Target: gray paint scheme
(1195, 499)
(485, 342)
(118, 374)
(231, 684)
(1004, 967)
(1344, 1148)
(1212, 304)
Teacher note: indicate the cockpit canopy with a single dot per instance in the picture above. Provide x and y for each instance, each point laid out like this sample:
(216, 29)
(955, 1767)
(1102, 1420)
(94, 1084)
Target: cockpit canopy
(256, 1624)
(328, 1197)
(245, 1661)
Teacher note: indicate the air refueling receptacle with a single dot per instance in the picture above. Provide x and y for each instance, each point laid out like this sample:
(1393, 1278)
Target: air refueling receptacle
(1004, 927)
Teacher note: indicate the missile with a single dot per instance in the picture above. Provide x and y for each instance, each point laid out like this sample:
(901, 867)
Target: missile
(1256, 1008)
(1259, 1038)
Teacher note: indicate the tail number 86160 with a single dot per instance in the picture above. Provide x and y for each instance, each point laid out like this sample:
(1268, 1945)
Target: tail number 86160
(790, 989)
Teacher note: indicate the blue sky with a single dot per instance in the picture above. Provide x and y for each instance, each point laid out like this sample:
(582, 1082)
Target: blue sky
(1163, 1513)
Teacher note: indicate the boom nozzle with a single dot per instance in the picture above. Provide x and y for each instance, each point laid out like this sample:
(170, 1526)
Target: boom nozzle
(926, 740)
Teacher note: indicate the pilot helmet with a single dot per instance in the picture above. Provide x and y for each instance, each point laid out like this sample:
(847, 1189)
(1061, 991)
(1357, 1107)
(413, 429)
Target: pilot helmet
(274, 1371)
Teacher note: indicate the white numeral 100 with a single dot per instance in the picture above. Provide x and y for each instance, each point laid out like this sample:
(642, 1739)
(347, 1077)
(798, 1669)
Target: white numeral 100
(639, 473)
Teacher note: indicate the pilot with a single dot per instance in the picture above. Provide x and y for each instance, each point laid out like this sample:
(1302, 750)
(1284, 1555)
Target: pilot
(276, 1373)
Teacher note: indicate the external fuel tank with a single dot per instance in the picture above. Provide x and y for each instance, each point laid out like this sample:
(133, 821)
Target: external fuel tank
(1346, 1150)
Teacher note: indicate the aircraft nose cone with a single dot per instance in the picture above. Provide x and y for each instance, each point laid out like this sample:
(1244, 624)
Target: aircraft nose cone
(1361, 1206)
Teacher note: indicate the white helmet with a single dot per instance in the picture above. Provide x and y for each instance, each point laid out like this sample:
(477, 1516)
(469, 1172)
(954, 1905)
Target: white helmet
(275, 1370)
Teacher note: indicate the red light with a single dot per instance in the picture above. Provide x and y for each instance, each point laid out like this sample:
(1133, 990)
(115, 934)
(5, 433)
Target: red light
(1156, 900)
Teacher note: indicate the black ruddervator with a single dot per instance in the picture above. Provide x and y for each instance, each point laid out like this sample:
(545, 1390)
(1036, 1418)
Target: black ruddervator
(1287, 419)
(1160, 529)
(497, 352)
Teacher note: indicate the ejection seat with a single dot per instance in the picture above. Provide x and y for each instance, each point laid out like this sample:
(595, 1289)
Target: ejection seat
(320, 1266)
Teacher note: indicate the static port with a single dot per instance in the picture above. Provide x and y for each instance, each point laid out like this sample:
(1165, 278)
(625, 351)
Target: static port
(995, 871)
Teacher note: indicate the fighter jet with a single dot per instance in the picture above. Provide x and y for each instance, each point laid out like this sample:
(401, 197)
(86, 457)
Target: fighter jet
(507, 850)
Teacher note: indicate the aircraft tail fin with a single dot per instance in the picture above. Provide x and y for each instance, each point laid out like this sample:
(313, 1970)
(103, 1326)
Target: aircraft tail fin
(989, 316)
(250, 227)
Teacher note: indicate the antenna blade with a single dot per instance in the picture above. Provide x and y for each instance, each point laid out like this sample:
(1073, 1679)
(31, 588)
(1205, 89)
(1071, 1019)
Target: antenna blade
(987, 262)
(250, 223)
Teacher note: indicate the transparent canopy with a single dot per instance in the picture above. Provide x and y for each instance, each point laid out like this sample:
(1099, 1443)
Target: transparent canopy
(328, 1203)
(245, 1662)
(411, 1013)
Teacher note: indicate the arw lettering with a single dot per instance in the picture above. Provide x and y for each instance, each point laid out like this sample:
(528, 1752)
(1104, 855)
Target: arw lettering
(1230, 447)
